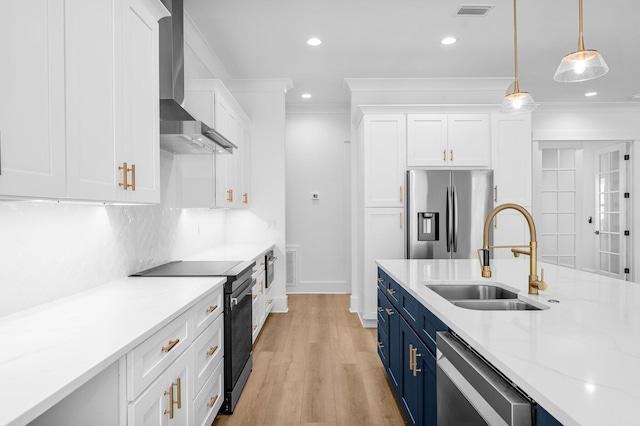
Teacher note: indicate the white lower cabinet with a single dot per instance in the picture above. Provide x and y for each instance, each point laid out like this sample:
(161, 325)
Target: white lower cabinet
(258, 311)
(167, 400)
(184, 387)
(208, 402)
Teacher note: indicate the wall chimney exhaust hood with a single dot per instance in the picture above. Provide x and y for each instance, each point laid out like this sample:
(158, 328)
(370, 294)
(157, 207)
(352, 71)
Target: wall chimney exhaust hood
(180, 132)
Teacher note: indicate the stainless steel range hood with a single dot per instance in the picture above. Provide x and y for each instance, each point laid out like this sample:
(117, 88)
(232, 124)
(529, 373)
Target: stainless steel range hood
(180, 131)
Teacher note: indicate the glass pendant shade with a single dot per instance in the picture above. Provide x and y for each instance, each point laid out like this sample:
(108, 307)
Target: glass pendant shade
(582, 65)
(518, 102)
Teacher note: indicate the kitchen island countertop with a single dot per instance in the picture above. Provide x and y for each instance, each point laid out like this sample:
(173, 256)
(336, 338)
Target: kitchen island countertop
(578, 359)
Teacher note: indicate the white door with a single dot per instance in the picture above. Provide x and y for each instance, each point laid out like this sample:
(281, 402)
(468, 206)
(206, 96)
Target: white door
(611, 210)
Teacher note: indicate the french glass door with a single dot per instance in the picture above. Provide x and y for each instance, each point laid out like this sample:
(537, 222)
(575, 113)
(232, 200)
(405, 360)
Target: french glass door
(611, 210)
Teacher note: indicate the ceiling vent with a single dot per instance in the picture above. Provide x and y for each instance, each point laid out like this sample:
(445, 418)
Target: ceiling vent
(474, 10)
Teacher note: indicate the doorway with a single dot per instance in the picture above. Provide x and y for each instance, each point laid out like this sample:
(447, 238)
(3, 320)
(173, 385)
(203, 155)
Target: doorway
(582, 208)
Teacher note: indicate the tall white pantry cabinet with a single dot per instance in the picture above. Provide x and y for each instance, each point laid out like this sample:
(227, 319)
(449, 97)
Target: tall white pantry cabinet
(80, 99)
(392, 140)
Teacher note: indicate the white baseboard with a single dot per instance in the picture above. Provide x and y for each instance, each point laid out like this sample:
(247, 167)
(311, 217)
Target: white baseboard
(320, 287)
(368, 323)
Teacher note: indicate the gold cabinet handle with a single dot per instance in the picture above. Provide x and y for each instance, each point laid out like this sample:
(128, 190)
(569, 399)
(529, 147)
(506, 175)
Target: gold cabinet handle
(451, 155)
(401, 220)
(212, 308)
(231, 191)
(389, 311)
(133, 177)
(179, 392)
(391, 291)
(170, 410)
(416, 370)
(172, 344)
(495, 193)
(270, 301)
(254, 327)
(229, 196)
(380, 309)
(212, 401)
(410, 357)
(380, 345)
(401, 194)
(261, 287)
(254, 297)
(380, 279)
(444, 155)
(125, 171)
(245, 198)
(212, 350)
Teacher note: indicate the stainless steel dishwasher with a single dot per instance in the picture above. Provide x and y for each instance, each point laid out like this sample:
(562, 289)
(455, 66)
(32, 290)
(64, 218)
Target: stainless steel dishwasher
(471, 392)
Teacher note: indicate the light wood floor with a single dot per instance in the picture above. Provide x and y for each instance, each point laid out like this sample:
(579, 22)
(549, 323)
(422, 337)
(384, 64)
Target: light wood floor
(316, 365)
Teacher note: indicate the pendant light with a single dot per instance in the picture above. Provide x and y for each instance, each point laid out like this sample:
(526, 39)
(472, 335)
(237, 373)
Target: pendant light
(581, 65)
(517, 102)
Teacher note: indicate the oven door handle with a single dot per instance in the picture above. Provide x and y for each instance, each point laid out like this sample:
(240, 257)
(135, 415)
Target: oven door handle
(247, 291)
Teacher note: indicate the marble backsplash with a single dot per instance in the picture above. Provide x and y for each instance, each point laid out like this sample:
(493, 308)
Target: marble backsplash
(51, 250)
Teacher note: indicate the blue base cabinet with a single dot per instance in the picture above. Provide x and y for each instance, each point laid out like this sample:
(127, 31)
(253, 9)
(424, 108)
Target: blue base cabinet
(408, 330)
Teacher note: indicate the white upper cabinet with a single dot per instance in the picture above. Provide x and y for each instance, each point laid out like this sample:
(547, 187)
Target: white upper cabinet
(92, 68)
(112, 66)
(511, 158)
(448, 140)
(383, 139)
(32, 120)
(210, 101)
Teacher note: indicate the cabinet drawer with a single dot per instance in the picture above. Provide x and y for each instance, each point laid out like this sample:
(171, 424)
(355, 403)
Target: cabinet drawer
(410, 309)
(148, 360)
(429, 325)
(208, 351)
(210, 398)
(208, 309)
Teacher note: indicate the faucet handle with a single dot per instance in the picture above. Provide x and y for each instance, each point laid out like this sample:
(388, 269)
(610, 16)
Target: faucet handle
(541, 284)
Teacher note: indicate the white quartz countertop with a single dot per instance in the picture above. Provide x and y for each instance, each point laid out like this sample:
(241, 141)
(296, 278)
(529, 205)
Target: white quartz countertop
(51, 350)
(579, 359)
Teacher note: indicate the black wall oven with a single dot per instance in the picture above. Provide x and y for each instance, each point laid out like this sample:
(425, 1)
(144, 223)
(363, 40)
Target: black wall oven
(238, 359)
(269, 265)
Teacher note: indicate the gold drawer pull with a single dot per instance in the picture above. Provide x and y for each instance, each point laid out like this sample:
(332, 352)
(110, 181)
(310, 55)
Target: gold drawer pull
(254, 297)
(253, 271)
(380, 309)
(179, 401)
(172, 343)
(380, 280)
(212, 308)
(270, 301)
(254, 327)
(212, 350)
(389, 311)
(212, 401)
(133, 177)
(171, 402)
(391, 291)
(380, 345)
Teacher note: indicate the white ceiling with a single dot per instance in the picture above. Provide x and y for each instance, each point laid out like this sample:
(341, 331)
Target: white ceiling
(401, 39)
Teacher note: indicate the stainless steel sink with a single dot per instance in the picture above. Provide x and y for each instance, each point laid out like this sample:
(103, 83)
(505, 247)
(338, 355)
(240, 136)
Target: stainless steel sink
(483, 297)
(472, 291)
(496, 305)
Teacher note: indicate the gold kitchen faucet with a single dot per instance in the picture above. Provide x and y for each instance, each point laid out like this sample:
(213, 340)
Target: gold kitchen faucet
(535, 284)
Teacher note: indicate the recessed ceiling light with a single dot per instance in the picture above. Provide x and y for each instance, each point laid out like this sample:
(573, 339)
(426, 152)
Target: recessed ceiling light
(589, 94)
(306, 95)
(448, 40)
(314, 41)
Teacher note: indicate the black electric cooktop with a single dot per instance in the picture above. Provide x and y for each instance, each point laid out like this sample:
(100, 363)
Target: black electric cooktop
(181, 268)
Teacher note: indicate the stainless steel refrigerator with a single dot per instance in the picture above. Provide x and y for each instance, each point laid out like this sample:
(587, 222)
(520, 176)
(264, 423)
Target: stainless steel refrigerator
(446, 210)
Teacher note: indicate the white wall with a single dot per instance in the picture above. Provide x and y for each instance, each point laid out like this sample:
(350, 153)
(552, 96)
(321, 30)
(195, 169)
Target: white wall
(50, 250)
(318, 160)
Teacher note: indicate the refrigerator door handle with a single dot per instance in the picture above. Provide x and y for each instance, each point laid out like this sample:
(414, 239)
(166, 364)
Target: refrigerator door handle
(455, 218)
(449, 222)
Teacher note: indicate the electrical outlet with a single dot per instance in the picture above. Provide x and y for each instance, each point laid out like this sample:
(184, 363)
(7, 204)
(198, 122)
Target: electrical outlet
(272, 224)
(315, 195)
